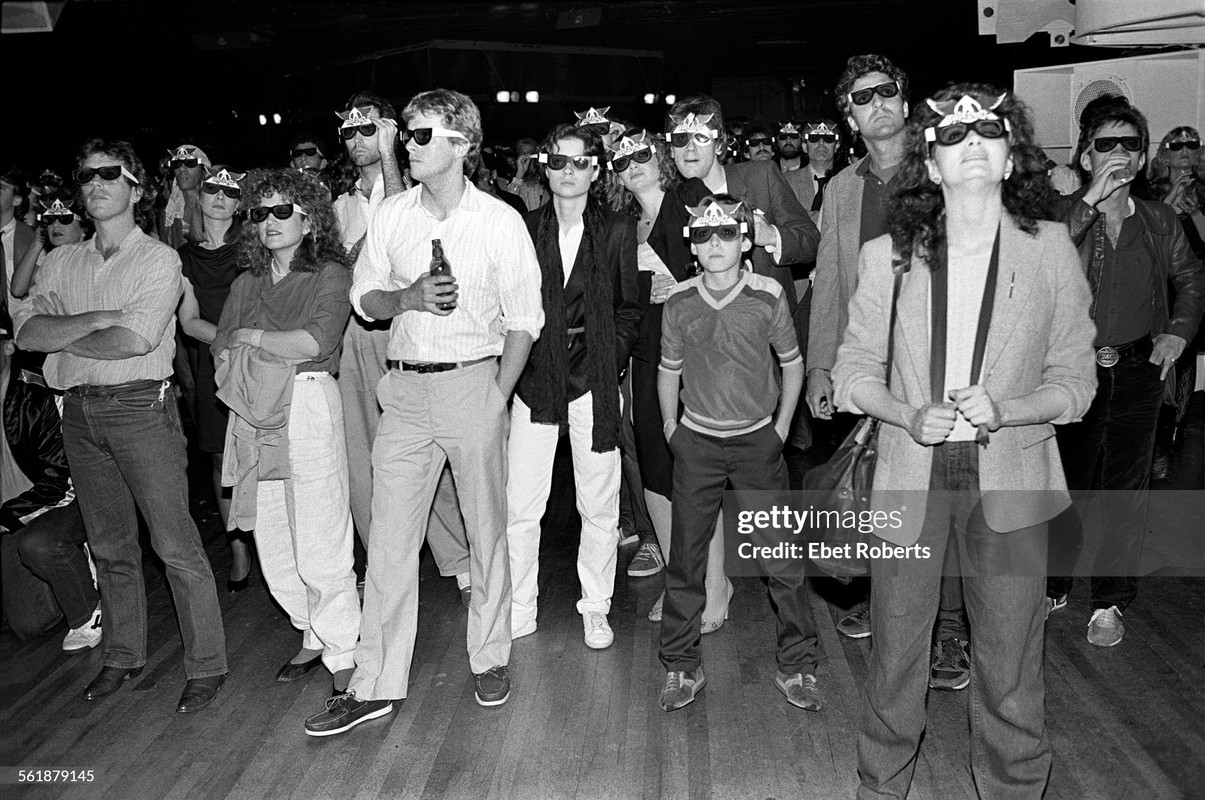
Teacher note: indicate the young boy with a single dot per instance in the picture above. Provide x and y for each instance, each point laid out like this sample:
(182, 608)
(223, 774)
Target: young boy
(716, 336)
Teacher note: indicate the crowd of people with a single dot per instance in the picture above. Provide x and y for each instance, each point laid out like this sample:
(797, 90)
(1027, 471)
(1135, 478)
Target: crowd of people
(385, 337)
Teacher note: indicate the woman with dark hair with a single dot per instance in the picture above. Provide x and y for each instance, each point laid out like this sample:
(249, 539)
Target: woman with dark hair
(209, 267)
(989, 344)
(654, 193)
(587, 256)
(61, 220)
(276, 347)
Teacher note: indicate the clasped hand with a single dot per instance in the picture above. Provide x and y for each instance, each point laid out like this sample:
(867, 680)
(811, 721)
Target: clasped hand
(931, 424)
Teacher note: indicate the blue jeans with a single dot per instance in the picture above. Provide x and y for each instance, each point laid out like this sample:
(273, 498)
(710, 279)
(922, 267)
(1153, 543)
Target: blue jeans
(126, 449)
(1010, 751)
(51, 546)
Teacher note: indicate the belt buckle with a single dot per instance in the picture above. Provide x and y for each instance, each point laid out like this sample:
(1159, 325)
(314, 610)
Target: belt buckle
(1107, 356)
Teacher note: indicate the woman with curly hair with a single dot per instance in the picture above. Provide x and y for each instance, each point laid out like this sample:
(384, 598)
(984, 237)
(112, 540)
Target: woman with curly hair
(654, 192)
(277, 347)
(982, 311)
(1174, 179)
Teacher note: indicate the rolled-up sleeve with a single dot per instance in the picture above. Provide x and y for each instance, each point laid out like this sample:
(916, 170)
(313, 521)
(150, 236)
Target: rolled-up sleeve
(331, 309)
(862, 356)
(373, 268)
(151, 305)
(514, 259)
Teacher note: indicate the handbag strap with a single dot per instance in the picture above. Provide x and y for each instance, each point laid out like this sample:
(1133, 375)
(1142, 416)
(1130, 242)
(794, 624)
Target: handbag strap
(899, 268)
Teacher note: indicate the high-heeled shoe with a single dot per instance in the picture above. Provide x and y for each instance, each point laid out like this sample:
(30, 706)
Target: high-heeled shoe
(711, 625)
(234, 587)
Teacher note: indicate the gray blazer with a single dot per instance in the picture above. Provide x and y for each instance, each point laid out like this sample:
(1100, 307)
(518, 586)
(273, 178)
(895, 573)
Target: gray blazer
(836, 266)
(1040, 336)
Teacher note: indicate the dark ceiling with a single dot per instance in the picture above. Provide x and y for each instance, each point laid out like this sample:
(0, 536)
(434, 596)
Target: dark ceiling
(157, 71)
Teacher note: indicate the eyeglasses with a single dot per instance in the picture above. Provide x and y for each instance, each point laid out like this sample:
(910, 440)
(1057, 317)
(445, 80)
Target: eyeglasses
(864, 96)
(782, 136)
(702, 234)
(681, 139)
(557, 162)
(107, 174)
(641, 156)
(1178, 146)
(957, 131)
(365, 130)
(230, 191)
(310, 152)
(759, 141)
(62, 219)
(282, 211)
(827, 138)
(189, 163)
(422, 136)
(1107, 144)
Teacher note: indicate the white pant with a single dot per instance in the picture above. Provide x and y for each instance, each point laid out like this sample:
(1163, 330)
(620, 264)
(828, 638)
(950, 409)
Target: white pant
(303, 528)
(532, 448)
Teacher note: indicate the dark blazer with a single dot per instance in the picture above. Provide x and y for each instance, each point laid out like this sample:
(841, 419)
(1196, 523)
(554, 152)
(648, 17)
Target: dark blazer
(761, 185)
(620, 256)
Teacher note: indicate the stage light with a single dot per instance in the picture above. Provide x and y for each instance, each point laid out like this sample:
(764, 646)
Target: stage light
(502, 96)
(670, 99)
(276, 118)
(650, 98)
(532, 96)
(515, 97)
(263, 120)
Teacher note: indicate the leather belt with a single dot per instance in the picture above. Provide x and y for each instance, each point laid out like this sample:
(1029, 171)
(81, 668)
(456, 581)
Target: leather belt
(440, 366)
(1109, 355)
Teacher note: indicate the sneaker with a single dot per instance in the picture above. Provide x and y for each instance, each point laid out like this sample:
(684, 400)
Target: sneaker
(344, 712)
(800, 690)
(855, 625)
(85, 637)
(598, 632)
(1105, 629)
(626, 539)
(647, 561)
(950, 669)
(681, 688)
(1053, 604)
(492, 686)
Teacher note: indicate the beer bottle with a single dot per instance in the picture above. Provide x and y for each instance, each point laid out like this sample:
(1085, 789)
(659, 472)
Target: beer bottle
(440, 266)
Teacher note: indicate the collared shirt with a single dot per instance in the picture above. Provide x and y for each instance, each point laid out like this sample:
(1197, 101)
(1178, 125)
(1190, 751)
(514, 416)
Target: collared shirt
(493, 261)
(1122, 283)
(142, 278)
(354, 211)
(874, 200)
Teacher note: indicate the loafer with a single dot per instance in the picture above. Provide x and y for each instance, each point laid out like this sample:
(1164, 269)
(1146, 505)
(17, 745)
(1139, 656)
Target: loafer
(108, 681)
(199, 692)
(291, 672)
(492, 687)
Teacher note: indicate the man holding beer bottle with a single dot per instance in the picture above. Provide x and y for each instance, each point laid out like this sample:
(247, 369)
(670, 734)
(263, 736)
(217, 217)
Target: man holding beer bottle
(459, 344)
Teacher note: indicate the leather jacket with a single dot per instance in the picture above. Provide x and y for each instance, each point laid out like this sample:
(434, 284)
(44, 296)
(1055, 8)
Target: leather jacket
(1176, 266)
(34, 428)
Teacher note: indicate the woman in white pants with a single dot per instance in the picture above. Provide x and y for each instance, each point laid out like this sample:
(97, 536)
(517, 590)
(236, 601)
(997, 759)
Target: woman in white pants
(277, 345)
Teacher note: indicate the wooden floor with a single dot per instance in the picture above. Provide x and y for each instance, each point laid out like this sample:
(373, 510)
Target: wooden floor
(1125, 723)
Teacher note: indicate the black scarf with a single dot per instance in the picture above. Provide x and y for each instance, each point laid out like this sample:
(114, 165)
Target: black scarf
(549, 358)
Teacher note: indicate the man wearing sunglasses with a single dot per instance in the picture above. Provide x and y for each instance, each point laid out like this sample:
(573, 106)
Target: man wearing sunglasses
(788, 147)
(759, 141)
(783, 233)
(104, 311)
(305, 153)
(459, 344)
(821, 141)
(16, 236)
(872, 94)
(1133, 251)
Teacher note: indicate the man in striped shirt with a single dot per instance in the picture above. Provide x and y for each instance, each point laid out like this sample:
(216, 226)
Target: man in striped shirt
(104, 311)
(460, 343)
